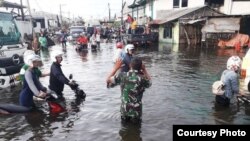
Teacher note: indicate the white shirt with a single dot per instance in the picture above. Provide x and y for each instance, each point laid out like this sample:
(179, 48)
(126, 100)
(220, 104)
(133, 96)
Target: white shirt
(117, 54)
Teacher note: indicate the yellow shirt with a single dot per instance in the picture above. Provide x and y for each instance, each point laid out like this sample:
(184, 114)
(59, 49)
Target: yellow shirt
(133, 25)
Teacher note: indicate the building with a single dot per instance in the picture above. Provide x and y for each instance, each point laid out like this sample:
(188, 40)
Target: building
(181, 21)
(183, 25)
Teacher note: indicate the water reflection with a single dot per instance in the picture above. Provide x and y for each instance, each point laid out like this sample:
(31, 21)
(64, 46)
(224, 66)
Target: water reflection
(225, 115)
(130, 131)
(42, 120)
(181, 94)
(84, 55)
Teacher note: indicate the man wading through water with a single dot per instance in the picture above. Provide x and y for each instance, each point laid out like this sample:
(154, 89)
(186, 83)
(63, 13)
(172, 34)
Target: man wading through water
(133, 84)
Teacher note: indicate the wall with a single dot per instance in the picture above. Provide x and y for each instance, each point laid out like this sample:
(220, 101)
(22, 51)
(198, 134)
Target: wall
(168, 4)
(243, 6)
(232, 8)
(161, 39)
(175, 34)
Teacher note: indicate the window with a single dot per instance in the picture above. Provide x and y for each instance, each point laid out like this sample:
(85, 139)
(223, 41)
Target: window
(167, 32)
(184, 3)
(8, 31)
(176, 3)
(214, 2)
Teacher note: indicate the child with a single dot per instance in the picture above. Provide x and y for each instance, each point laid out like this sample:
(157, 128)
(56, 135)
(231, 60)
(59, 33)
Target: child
(133, 84)
(118, 51)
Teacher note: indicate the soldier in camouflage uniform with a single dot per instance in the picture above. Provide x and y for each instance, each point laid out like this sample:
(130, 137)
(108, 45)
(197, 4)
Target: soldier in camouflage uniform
(133, 84)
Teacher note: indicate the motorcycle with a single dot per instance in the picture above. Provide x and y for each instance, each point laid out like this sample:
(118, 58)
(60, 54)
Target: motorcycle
(243, 99)
(51, 99)
(55, 103)
(78, 92)
(81, 46)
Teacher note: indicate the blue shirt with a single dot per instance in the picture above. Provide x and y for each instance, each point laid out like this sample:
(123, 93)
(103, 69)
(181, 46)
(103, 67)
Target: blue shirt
(231, 81)
(126, 59)
(31, 87)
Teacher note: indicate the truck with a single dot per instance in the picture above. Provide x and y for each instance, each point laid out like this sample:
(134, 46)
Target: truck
(11, 50)
(140, 37)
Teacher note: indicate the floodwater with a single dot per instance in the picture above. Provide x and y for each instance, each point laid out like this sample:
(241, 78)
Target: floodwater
(180, 94)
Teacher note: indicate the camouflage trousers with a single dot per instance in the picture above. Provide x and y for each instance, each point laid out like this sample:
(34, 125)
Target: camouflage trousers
(131, 110)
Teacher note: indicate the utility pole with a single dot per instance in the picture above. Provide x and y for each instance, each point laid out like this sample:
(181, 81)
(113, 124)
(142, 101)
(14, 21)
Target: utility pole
(61, 13)
(69, 17)
(123, 5)
(31, 20)
(22, 13)
(109, 11)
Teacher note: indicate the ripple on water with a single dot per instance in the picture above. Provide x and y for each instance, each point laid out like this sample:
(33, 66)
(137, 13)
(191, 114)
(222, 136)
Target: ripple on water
(180, 94)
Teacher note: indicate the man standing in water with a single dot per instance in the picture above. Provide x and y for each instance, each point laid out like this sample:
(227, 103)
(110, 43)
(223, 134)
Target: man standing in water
(133, 84)
(57, 78)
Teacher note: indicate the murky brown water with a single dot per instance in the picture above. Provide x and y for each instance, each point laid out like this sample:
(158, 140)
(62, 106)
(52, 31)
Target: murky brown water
(181, 94)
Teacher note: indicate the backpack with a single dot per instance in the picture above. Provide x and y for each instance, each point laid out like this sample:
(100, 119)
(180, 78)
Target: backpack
(218, 88)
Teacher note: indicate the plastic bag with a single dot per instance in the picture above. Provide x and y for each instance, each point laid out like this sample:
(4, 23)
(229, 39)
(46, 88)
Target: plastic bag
(218, 88)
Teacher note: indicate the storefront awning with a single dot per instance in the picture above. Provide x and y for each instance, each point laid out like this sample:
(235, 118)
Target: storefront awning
(222, 25)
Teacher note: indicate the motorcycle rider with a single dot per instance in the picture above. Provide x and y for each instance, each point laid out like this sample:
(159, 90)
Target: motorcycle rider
(31, 85)
(57, 78)
(82, 41)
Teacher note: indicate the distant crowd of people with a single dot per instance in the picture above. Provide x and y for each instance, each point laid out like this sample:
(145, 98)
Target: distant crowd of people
(131, 25)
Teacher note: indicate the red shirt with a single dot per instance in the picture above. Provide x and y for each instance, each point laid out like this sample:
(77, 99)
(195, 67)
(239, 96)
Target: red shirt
(129, 19)
(82, 40)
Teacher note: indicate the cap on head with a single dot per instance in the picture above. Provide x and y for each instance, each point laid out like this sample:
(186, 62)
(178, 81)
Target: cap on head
(129, 47)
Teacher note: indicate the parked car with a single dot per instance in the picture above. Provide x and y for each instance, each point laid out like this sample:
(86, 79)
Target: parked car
(75, 31)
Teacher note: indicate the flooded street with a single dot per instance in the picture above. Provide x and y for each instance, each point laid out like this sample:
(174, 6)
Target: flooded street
(180, 94)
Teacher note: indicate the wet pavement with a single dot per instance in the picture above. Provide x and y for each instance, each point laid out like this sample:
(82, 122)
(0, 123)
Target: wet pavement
(181, 94)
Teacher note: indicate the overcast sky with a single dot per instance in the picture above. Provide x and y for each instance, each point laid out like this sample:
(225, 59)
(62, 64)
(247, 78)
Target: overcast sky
(83, 8)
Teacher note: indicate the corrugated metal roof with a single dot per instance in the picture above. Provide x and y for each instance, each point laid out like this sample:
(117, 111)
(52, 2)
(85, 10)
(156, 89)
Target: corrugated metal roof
(170, 15)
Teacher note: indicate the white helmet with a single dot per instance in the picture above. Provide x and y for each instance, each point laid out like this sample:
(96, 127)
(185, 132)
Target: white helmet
(234, 63)
(26, 56)
(31, 58)
(56, 54)
(129, 47)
